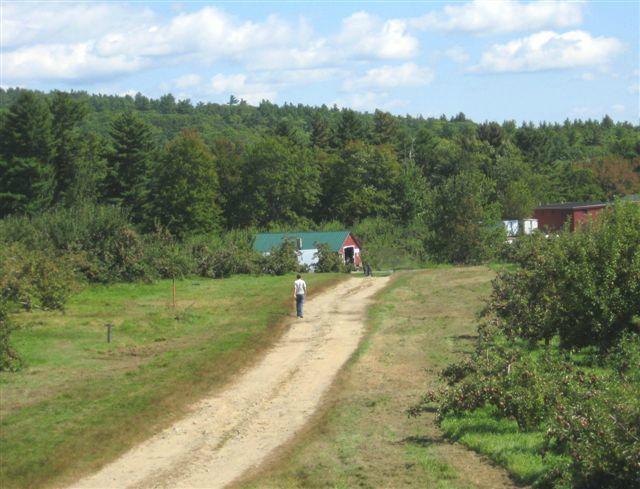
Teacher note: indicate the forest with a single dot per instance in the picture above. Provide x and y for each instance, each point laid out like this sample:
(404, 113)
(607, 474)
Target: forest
(206, 168)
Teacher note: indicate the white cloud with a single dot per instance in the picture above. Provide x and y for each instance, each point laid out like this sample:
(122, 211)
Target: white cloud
(118, 45)
(240, 86)
(587, 76)
(548, 51)
(500, 16)
(65, 22)
(457, 54)
(385, 77)
(365, 35)
(69, 62)
(187, 81)
(618, 108)
(370, 101)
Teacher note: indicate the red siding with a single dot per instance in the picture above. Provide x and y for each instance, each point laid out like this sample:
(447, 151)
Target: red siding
(352, 242)
(584, 215)
(553, 219)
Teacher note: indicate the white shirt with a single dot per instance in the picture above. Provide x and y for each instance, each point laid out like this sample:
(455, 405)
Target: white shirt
(300, 287)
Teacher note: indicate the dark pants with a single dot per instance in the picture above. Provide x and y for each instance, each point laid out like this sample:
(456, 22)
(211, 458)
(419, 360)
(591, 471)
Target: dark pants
(299, 302)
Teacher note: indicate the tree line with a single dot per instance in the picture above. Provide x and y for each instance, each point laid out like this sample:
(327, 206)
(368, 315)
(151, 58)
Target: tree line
(204, 168)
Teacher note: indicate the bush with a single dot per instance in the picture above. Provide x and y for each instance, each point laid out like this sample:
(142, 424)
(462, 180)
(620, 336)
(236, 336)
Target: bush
(222, 256)
(327, 260)
(33, 279)
(590, 416)
(9, 358)
(281, 259)
(582, 286)
(165, 257)
(28, 280)
(104, 244)
(390, 244)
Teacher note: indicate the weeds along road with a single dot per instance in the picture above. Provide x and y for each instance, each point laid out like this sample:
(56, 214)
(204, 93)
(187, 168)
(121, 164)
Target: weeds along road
(238, 428)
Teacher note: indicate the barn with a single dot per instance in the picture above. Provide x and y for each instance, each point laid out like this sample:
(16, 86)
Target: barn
(342, 242)
(552, 217)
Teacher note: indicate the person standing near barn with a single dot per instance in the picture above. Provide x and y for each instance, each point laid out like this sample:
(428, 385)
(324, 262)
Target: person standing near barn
(299, 292)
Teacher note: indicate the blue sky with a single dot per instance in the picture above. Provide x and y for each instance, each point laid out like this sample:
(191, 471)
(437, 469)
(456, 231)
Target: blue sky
(496, 60)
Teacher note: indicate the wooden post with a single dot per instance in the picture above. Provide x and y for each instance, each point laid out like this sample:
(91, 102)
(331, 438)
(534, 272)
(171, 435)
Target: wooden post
(174, 292)
(109, 326)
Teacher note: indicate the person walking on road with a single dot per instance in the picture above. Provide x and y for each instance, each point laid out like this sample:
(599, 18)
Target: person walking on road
(299, 292)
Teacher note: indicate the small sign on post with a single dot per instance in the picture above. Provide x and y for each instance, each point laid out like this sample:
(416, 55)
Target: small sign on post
(109, 326)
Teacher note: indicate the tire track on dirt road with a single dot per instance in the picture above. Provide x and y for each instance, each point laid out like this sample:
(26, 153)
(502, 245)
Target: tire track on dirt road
(237, 428)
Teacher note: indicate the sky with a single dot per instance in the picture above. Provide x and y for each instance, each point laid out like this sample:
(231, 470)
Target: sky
(492, 60)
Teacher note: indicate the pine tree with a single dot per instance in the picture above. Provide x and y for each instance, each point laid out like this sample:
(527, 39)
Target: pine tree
(67, 114)
(385, 127)
(129, 161)
(26, 174)
(319, 131)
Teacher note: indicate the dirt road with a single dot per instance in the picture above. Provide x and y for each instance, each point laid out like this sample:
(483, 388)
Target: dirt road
(236, 429)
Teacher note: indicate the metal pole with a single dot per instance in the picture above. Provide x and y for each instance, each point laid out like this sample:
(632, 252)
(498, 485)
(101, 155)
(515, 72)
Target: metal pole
(174, 292)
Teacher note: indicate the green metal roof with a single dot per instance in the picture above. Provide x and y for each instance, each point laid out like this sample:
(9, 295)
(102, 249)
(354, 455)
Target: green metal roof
(266, 241)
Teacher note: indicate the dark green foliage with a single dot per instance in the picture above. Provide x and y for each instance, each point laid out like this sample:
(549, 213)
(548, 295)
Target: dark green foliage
(34, 279)
(9, 359)
(27, 149)
(129, 162)
(165, 257)
(281, 183)
(26, 129)
(580, 293)
(102, 243)
(465, 223)
(328, 260)
(281, 259)
(67, 114)
(299, 166)
(28, 279)
(582, 286)
(590, 416)
(225, 255)
(363, 182)
(26, 185)
(184, 188)
(389, 245)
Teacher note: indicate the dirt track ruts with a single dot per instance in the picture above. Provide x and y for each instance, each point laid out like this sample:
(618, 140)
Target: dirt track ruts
(238, 427)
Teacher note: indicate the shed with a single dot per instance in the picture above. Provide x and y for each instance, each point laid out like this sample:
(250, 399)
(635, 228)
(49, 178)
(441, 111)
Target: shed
(342, 242)
(552, 217)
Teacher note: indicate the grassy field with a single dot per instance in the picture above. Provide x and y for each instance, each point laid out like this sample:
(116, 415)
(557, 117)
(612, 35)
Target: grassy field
(82, 401)
(363, 437)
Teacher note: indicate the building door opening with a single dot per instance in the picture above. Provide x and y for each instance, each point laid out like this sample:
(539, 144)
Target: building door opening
(349, 255)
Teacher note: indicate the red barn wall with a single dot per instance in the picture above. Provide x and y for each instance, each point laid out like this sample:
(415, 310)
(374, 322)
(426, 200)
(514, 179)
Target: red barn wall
(551, 219)
(554, 219)
(352, 242)
(584, 215)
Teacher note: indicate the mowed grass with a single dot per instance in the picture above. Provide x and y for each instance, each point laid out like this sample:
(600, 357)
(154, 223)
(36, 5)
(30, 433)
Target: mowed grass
(363, 437)
(499, 439)
(81, 401)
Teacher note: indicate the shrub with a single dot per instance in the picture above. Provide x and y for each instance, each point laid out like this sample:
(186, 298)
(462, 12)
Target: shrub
(327, 260)
(221, 256)
(28, 279)
(282, 259)
(9, 358)
(105, 245)
(582, 286)
(590, 416)
(165, 257)
(33, 279)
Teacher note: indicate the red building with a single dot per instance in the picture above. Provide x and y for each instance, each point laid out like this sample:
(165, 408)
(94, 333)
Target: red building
(553, 216)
